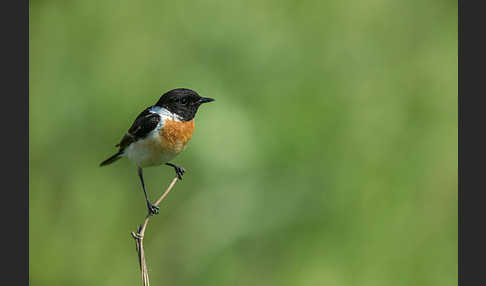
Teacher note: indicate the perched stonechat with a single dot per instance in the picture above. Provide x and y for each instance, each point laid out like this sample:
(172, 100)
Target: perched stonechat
(160, 133)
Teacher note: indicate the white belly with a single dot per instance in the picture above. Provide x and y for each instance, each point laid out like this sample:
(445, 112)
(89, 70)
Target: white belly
(148, 152)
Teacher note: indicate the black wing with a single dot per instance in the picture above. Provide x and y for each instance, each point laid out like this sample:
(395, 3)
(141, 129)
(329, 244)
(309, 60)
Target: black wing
(141, 127)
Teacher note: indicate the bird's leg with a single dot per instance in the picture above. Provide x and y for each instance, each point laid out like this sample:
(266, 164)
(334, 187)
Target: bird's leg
(179, 170)
(151, 208)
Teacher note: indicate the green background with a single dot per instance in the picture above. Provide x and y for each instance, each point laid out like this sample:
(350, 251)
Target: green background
(328, 158)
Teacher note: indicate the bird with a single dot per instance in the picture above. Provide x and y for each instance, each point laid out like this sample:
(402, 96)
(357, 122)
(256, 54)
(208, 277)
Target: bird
(159, 133)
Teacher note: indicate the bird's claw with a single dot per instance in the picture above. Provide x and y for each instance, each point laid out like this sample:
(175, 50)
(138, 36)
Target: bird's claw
(152, 209)
(179, 172)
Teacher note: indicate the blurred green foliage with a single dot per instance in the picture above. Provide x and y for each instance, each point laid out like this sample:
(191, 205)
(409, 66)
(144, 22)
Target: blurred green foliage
(328, 158)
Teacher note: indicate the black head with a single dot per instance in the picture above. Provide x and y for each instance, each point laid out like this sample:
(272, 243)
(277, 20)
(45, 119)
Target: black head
(183, 102)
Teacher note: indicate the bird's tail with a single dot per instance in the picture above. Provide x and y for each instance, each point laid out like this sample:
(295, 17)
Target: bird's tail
(112, 159)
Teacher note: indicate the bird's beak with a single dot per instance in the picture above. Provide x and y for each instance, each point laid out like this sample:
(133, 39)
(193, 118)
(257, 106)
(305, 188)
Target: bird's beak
(205, 99)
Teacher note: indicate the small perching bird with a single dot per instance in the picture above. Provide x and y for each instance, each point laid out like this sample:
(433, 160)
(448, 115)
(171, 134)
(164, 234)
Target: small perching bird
(160, 133)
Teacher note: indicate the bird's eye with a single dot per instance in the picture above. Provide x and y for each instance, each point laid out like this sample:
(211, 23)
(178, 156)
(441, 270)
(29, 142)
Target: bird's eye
(184, 100)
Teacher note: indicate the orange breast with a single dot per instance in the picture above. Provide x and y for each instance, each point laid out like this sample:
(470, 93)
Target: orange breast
(176, 134)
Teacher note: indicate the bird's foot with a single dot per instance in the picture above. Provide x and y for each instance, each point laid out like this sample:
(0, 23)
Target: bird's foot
(152, 209)
(179, 170)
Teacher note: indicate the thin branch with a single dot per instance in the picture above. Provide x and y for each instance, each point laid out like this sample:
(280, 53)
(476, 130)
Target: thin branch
(138, 236)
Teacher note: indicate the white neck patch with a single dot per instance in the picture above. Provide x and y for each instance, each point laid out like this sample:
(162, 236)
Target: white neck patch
(164, 113)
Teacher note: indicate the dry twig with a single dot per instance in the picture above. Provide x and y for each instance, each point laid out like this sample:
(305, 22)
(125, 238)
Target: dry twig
(138, 236)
